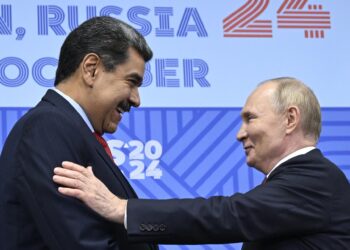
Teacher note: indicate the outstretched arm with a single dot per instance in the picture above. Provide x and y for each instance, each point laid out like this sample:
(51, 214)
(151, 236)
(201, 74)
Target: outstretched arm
(80, 182)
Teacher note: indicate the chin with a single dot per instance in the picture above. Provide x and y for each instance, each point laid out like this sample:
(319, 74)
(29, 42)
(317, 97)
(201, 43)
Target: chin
(111, 127)
(111, 130)
(250, 163)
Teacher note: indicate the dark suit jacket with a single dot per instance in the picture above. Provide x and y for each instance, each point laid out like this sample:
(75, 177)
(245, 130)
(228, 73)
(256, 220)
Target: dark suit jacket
(305, 204)
(33, 214)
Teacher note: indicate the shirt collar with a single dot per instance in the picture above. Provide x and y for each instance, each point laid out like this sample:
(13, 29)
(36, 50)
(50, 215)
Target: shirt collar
(301, 151)
(77, 107)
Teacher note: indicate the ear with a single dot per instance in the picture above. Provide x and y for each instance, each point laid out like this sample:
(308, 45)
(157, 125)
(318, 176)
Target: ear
(89, 68)
(292, 118)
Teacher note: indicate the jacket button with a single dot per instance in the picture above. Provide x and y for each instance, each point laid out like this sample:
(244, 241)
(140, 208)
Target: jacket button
(142, 227)
(162, 227)
(155, 228)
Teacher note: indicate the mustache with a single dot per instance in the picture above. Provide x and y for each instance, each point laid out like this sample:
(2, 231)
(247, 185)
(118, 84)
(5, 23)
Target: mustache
(125, 106)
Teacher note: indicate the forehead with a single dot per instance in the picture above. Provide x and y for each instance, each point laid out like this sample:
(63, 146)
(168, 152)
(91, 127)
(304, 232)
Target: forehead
(260, 100)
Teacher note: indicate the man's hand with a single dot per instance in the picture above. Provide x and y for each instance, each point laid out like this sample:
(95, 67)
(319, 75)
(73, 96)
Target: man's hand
(81, 183)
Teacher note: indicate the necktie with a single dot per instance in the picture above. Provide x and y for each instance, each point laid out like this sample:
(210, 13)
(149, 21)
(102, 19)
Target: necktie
(104, 144)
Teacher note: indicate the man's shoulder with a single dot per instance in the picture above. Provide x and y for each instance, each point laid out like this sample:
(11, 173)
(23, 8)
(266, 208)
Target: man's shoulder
(43, 114)
(45, 118)
(312, 168)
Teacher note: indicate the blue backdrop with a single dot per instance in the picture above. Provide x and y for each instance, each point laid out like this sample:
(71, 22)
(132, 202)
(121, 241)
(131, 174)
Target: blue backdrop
(208, 56)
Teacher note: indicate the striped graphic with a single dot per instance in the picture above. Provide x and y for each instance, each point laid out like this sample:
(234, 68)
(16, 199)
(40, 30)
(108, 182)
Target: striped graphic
(5, 20)
(201, 156)
(38, 68)
(244, 23)
(297, 14)
(22, 76)
(52, 15)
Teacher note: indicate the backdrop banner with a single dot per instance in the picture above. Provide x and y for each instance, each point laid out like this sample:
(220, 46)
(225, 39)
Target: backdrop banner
(208, 57)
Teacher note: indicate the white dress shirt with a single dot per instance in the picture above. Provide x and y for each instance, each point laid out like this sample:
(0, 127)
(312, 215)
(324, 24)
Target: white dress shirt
(301, 151)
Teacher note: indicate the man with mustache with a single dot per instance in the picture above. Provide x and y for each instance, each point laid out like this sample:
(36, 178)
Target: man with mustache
(303, 203)
(100, 69)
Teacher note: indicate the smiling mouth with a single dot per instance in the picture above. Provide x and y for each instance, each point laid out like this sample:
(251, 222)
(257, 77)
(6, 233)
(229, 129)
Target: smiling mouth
(247, 148)
(123, 107)
(120, 111)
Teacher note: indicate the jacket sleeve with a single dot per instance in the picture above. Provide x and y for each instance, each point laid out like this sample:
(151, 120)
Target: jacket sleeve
(63, 222)
(291, 204)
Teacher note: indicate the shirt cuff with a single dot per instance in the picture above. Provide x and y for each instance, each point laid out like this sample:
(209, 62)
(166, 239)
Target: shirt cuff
(125, 220)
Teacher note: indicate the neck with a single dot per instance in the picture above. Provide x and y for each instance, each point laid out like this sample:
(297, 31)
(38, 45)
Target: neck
(72, 88)
(292, 146)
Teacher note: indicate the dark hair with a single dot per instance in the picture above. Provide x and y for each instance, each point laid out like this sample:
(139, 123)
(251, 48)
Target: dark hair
(106, 36)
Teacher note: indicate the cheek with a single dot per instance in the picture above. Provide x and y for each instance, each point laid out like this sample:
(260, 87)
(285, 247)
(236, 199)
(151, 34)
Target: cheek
(110, 102)
(112, 115)
(255, 135)
(108, 117)
(110, 121)
(260, 141)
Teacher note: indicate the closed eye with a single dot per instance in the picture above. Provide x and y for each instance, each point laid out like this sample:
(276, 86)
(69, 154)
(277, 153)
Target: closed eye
(247, 116)
(135, 80)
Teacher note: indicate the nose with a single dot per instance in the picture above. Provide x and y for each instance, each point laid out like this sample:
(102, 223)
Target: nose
(242, 133)
(135, 97)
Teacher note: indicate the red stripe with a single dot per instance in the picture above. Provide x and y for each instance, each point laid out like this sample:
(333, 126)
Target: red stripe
(322, 34)
(295, 21)
(307, 12)
(303, 27)
(263, 21)
(311, 33)
(237, 15)
(290, 4)
(282, 6)
(247, 18)
(252, 31)
(296, 4)
(247, 15)
(303, 4)
(259, 26)
(239, 10)
(264, 5)
(248, 35)
(304, 17)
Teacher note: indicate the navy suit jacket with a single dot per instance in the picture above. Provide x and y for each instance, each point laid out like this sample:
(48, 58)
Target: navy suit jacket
(33, 214)
(305, 204)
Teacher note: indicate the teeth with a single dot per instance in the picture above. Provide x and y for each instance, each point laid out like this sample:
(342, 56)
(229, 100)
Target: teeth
(122, 108)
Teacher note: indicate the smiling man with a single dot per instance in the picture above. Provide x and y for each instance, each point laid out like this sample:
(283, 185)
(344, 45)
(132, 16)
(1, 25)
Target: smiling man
(304, 202)
(100, 69)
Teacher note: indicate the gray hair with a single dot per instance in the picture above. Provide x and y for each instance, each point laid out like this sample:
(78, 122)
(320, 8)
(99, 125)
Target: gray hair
(291, 91)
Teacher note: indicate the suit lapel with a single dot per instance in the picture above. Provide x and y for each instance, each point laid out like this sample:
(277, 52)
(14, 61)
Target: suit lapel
(58, 101)
(115, 169)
